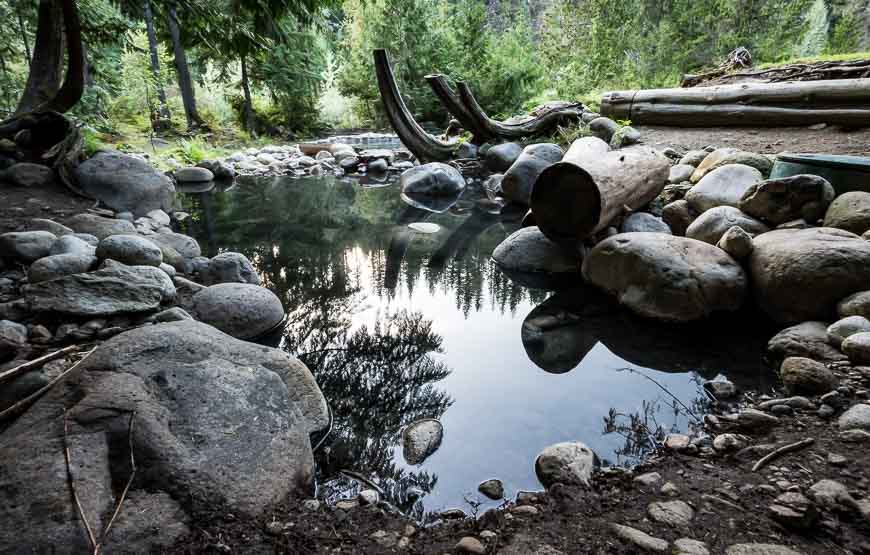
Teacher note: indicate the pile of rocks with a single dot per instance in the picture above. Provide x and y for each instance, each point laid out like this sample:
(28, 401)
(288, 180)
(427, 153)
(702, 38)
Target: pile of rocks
(316, 159)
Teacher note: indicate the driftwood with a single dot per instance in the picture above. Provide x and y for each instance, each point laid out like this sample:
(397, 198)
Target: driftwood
(592, 186)
(780, 452)
(421, 144)
(842, 101)
(36, 363)
(454, 105)
(814, 71)
(541, 124)
(738, 58)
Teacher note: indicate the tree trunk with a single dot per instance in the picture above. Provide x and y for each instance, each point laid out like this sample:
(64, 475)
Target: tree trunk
(74, 81)
(23, 30)
(155, 63)
(46, 65)
(592, 186)
(249, 106)
(185, 83)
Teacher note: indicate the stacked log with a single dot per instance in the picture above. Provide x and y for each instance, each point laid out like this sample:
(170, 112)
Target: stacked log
(839, 102)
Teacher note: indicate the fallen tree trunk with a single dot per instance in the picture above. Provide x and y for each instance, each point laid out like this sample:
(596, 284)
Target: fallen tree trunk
(841, 101)
(457, 109)
(425, 147)
(539, 125)
(592, 186)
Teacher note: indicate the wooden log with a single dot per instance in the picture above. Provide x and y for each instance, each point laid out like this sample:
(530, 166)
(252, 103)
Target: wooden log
(841, 101)
(592, 186)
(422, 145)
(450, 100)
(539, 125)
(699, 115)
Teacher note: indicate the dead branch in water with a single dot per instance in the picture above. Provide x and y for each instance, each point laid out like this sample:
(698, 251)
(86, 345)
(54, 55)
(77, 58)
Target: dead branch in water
(782, 451)
(36, 363)
(21, 405)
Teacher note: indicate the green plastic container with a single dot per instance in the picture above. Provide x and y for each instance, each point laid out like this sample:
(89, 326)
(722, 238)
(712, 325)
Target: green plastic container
(846, 173)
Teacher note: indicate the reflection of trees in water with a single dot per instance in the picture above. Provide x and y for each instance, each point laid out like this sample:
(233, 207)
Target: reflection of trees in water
(643, 433)
(378, 380)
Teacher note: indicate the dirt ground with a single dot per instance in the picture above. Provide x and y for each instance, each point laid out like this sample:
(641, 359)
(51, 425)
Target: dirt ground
(773, 140)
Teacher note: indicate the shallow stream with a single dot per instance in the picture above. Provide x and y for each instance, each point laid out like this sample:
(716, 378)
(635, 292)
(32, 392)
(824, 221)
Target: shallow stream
(399, 324)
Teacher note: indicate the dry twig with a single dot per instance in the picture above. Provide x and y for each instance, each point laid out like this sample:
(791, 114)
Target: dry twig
(782, 451)
(71, 481)
(30, 399)
(36, 363)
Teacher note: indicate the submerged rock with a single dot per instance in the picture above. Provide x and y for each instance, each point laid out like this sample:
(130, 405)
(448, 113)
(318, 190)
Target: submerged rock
(193, 175)
(665, 277)
(570, 463)
(243, 310)
(420, 439)
(433, 179)
(528, 250)
(801, 274)
(125, 183)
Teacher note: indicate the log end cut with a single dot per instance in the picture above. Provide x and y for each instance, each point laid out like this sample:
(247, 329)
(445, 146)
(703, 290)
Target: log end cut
(566, 203)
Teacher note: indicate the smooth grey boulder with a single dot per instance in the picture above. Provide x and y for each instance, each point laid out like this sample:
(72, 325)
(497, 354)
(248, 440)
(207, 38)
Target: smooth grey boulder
(754, 160)
(804, 376)
(736, 242)
(710, 161)
(807, 340)
(519, 179)
(193, 175)
(856, 304)
(603, 128)
(624, 136)
(99, 226)
(26, 246)
(59, 265)
(13, 336)
(643, 221)
(672, 513)
(569, 463)
(25, 174)
(712, 224)
(124, 183)
(216, 422)
(420, 439)
(856, 418)
(500, 157)
(777, 201)
(666, 277)
(724, 186)
(159, 217)
(132, 250)
(845, 327)
(528, 250)
(51, 226)
(801, 274)
(679, 215)
(857, 348)
(243, 310)
(114, 289)
(183, 244)
(220, 170)
(70, 244)
(433, 179)
(230, 267)
(850, 211)
(174, 314)
(680, 173)
(378, 166)
(693, 158)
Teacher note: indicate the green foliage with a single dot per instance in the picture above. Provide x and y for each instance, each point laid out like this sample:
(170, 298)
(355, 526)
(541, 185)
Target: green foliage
(845, 34)
(93, 141)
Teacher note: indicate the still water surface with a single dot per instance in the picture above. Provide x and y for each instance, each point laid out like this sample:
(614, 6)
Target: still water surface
(398, 325)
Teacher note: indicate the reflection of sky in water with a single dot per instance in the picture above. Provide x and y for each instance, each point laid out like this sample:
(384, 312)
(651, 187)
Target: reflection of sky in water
(326, 248)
